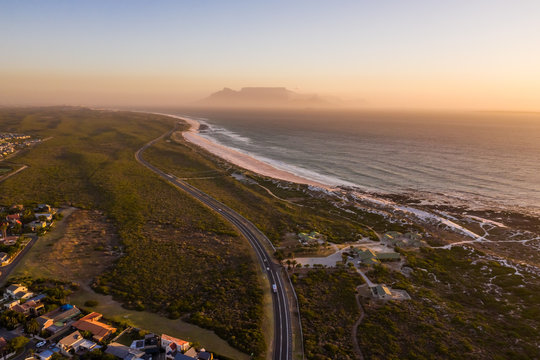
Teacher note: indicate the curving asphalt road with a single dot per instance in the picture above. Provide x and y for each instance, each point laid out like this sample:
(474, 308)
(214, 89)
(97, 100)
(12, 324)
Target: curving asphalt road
(6, 270)
(282, 319)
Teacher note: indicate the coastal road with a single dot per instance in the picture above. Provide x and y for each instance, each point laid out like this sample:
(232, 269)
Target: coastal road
(282, 318)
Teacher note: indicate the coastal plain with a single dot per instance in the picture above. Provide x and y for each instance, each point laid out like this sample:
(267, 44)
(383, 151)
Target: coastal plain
(175, 258)
(170, 244)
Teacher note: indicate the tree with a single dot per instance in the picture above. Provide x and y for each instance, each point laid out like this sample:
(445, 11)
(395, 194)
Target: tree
(57, 356)
(10, 319)
(17, 228)
(28, 216)
(86, 334)
(3, 228)
(31, 327)
(18, 343)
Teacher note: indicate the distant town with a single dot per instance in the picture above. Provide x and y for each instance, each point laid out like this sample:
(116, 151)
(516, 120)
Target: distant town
(10, 143)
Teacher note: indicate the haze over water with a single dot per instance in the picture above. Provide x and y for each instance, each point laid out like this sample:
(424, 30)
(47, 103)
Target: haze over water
(489, 157)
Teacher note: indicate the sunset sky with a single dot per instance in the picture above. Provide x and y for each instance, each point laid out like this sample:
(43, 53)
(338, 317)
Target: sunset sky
(468, 54)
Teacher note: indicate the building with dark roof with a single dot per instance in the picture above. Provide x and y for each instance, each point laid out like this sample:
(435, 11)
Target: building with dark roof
(58, 319)
(124, 352)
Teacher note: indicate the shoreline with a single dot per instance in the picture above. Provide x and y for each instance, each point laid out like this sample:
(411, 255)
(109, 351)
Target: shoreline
(241, 159)
(262, 168)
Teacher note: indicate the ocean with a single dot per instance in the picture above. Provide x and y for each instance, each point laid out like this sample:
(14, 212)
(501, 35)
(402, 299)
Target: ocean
(490, 158)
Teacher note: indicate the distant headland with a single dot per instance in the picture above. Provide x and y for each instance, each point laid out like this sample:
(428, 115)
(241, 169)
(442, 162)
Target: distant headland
(264, 97)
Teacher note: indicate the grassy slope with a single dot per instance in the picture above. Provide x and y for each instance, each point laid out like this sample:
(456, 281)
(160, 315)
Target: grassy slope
(180, 257)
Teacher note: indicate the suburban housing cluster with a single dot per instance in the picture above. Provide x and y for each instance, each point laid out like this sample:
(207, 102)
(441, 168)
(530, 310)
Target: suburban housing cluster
(9, 143)
(65, 331)
(19, 219)
(16, 220)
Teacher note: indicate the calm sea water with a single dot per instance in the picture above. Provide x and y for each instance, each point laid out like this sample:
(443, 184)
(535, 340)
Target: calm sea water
(491, 157)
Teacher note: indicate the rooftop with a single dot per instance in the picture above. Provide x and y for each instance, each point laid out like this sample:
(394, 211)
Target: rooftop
(90, 323)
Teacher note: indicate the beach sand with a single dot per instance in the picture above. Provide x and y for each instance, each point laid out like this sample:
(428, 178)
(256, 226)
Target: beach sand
(240, 159)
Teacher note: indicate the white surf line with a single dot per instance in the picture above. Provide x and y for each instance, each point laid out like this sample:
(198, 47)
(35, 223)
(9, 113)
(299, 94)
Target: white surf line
(423, 215)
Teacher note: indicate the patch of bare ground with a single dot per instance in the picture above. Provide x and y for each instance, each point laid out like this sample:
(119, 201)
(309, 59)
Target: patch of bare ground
(89, 244)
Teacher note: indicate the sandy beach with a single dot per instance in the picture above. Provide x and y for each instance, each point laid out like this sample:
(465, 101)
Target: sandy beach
(240, 159)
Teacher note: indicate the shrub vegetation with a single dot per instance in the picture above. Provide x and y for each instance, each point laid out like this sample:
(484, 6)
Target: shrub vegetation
(180, 259)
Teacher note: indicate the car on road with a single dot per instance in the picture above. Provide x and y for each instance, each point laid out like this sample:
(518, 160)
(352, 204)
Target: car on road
(267, 268)
(274, 288)
(40, 344)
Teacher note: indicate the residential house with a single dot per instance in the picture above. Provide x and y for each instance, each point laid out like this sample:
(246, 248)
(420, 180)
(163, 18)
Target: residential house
(30, 307)
(381, 292)
(36, 225)
(75, 343)
(180, 356)
(38, 298)
(173, 345)
(58, 319)
(11, 304)
(366, 256)
(24, 295)
(92, 324)
(44, 208)
(4, 258)
(205, 355)
(149, 344)
(312, 237)
(44, 355)
(13, 217)
(137, 344)
(14, 289)
(17, 207)
(46, 216)
(191, 352)
(124, 352)
(407, 240)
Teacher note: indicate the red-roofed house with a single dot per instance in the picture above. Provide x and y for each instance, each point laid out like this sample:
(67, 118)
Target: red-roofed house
(173, 345)
(13, 217)
(91, 323)
(29, 308)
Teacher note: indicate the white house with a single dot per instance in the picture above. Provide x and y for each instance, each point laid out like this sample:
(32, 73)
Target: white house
(13, 289)
(173, 345)
(74, 343)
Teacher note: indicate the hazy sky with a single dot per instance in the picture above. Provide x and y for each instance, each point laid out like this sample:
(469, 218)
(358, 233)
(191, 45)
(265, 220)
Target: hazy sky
(401, 53)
